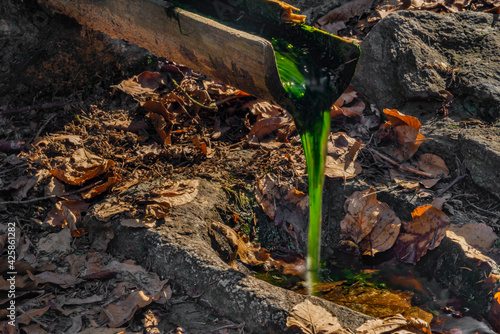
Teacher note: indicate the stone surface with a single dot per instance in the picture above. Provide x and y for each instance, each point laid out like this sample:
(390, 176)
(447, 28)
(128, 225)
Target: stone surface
(480, 151)
(412, 55)
(460, 267)
(180, 248)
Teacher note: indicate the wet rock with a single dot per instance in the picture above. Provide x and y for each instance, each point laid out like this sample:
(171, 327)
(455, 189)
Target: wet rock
(461, 268)
(180, 247)
(412, 55)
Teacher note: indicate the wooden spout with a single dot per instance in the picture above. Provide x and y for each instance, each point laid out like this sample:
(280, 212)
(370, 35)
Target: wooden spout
(231, 56)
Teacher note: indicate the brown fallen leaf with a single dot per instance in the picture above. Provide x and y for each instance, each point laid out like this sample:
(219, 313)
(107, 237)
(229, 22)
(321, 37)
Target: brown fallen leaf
(81, 167)
(156, 211)
(63, 280)
(201, 145)
(433, 165)
(119, 313)
(66, 213)
(286, 206)
(151, 80)
(97, 190)
(54, 187)
(342, 153)
(56, 242)
(139, 223)
(425, 232)
(174, 193)
(262, 109)
(392, 323)
(477, 235)
(362, 210)
(312, 319)
(406, 130)
(105, 211)
(27, 316)
(161, 127)
(254, 255)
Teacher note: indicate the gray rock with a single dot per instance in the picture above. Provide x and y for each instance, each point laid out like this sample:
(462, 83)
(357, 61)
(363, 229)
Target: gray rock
(481, 154)
(412, 55)
(180, 247)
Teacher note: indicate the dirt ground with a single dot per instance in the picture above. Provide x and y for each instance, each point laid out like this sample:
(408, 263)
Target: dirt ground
(59, 93)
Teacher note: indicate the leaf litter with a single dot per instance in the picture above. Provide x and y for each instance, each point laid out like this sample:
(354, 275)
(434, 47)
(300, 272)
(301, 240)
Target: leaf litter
(183, 120)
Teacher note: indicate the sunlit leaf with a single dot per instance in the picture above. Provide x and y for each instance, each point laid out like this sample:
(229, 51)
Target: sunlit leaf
(81, 167)
(112, 180)
(313, 319)
(425, 232)
(119, 313)
(66, 213)
(342, 153)
(433, 164)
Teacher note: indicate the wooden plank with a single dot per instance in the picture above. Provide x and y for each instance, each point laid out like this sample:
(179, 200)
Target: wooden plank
(231, 56)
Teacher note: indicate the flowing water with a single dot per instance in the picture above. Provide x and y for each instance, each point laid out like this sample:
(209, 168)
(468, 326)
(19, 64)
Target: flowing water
(307, 87)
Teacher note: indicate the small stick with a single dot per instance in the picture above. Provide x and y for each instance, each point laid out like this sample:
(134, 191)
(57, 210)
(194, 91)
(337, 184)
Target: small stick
(394, 163)
(51, 196)
(484, 211)
(452, 183)
(42, 127)
(34, 107)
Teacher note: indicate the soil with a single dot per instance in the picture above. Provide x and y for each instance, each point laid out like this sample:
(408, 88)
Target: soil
(68, 75)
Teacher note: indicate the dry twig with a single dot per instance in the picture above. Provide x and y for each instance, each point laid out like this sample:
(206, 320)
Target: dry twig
(394, 163)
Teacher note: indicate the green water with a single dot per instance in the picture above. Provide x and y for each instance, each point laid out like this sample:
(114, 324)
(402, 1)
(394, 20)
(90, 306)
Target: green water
(309, 89)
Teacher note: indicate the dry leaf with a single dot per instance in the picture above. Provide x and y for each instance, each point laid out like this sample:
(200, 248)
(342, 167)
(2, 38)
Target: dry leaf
(97, 190)
(54, 188)
(342, 153)
(384, 234)
(478, 235)
(175, 194)
(81, 167)
(254, 255)
(362, 210)
(138, 223)
(66, 213)
(56, 242)
(63, 280)
(433, 165)
(406, 129)
(390, 324)
(156, 211)
(287, 207)
(312, 319)
(202, 146)
(370, 223)
(104, 212)
(425, 232)
(119, 313)
(26, 317)
(262, 109)
(161, 127)
(151, 80)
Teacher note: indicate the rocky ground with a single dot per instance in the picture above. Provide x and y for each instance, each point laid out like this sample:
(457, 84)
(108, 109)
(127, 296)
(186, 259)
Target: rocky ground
(139, 189)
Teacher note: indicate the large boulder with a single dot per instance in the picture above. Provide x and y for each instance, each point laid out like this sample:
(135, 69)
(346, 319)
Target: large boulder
(412, 55)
